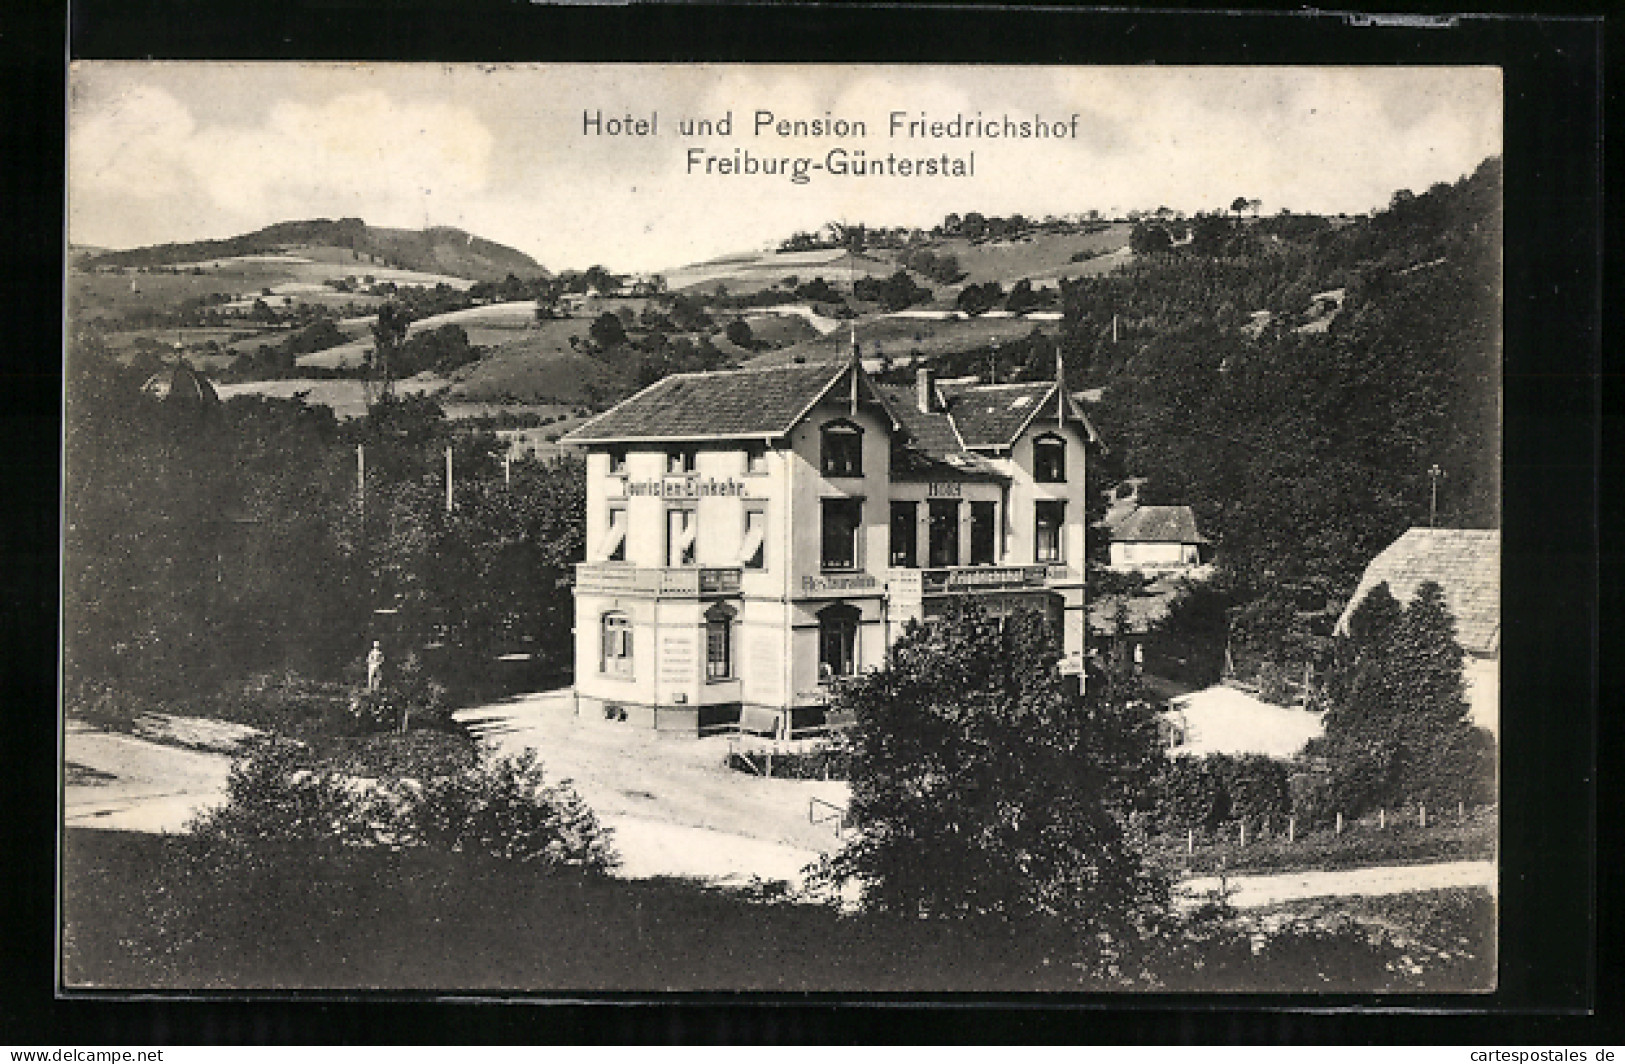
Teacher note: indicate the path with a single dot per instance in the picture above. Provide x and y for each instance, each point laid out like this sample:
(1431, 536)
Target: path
(1253, 892)
(676, 808)
(136, 785)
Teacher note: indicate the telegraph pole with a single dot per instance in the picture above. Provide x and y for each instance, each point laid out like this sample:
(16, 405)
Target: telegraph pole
(1434, 473)
(448, 478)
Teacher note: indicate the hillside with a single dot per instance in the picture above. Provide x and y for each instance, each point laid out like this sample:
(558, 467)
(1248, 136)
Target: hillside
(439, 250)
(1302, 437)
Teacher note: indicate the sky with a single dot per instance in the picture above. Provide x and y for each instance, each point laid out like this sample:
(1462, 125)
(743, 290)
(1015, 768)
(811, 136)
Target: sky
(179, 151)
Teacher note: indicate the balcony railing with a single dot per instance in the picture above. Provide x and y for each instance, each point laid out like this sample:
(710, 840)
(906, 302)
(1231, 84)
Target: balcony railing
(685, 582)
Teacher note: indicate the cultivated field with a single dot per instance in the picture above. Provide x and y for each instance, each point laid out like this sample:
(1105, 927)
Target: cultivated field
(902, 338)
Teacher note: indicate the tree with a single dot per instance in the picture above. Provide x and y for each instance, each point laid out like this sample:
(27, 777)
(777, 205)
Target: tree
(388, 334)
(1397, 729)
(1146, 239)
(983, 788)
(607, 331)
(738, 333)
(1238, 205)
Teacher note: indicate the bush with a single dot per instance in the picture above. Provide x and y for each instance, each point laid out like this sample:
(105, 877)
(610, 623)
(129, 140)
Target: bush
(277, 799)
(1205, 792)
(504, 808)
(273, 796)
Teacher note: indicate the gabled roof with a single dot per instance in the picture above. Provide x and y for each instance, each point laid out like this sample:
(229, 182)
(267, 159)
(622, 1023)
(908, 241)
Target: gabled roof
(931, 434)
(721, 405)
(993, 416)
(1158, 524)
(1465, 562)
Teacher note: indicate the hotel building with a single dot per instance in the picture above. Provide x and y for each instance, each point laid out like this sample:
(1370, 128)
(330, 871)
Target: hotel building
(754, 534)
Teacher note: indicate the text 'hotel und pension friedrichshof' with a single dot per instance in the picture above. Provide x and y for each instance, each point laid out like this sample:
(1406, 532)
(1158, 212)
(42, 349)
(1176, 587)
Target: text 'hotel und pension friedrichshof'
(922, 157)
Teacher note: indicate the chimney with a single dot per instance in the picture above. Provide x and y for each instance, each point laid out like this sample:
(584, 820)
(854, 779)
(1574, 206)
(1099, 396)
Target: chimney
(925, 389)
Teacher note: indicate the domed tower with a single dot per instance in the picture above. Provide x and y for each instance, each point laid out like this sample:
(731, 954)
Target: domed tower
(182, 386)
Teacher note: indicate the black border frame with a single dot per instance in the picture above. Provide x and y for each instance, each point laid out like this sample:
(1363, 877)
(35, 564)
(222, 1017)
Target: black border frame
(1552, 987)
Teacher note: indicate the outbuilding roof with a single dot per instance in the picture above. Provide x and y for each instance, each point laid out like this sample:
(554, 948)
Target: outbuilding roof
(1465, 562)
(1158, 524)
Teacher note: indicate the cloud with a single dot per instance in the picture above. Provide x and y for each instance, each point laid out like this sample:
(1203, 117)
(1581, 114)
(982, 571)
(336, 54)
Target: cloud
(141, 157)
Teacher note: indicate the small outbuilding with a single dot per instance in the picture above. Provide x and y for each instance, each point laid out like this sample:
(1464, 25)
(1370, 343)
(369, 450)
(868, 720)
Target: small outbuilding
(1157, 539)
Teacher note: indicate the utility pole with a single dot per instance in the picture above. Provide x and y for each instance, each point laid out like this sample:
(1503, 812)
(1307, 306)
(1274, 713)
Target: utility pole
(448, 478)
(1434, 473)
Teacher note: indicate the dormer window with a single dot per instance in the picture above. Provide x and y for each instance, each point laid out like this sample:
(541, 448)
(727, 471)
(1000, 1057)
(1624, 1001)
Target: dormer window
(1049, 459)
(841, 450)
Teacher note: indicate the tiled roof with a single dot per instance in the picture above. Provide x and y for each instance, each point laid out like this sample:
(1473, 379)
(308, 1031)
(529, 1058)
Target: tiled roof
(1158, 524)
(720, 405)
(1466, 563)
(932, 433)
(993, 415)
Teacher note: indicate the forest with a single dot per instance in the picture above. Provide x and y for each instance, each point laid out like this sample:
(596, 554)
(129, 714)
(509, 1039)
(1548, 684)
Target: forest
(1304, 444)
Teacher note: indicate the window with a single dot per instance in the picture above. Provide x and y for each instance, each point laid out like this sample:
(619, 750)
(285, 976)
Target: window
(719, 626)
(843, 519)
(756, 458)
(617, 645)
(681, 461)
(617, 462)
(1047, 540)
(1049, 459)
(981, 533)
(753, 551)
(905, 535)
(681, 527)
(841, 449)
(837, 642)
(613, 548)
(944, 537)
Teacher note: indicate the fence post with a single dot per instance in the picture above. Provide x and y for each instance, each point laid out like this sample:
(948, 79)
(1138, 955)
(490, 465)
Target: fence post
(1339, 823)
(1382, 819)
(769, 773)
(1424, 812)
(1461, 810)
(1243, 826)
(1291, 828)
(1190, 841)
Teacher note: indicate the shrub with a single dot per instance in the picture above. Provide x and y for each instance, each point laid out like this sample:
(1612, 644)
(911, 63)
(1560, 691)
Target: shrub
(503, 808)
(273, 796)
(1189, 795)
(1205, 792)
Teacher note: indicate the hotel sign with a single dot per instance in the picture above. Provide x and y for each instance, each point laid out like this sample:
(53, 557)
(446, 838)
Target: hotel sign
(984, 578)
(684, 488)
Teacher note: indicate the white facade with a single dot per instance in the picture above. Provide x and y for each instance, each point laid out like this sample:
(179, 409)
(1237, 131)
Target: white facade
(722, 584)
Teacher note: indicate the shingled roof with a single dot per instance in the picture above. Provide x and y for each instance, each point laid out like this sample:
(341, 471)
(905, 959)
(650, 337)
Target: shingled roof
(1158, 524)
(1466, 563)
(728, 404)
(993, 415)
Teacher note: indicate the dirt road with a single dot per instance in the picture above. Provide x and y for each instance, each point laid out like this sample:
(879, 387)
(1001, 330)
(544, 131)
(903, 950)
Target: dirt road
(1252, 892)
(675, 808)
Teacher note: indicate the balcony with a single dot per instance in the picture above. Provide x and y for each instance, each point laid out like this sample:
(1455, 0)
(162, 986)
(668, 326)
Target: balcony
(688, 582)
